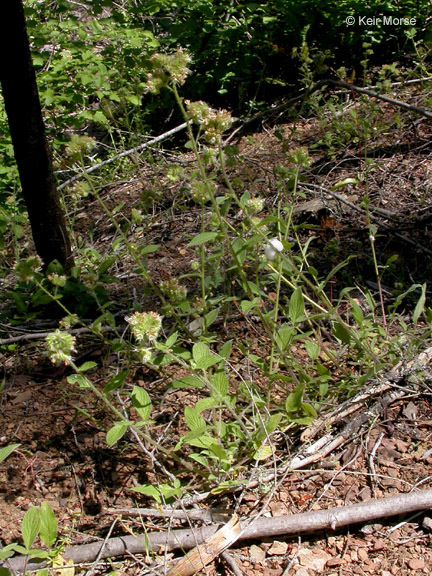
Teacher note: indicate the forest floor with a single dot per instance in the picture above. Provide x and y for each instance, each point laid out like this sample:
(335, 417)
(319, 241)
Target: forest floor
(64, 459)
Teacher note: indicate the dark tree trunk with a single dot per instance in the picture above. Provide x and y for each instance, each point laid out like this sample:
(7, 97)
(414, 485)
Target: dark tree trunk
(32, 152)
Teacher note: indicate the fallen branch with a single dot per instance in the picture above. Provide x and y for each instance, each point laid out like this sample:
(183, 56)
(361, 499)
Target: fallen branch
(188, 538)
(42, 335)
(139, 148)
(303, 94)
(378, 385)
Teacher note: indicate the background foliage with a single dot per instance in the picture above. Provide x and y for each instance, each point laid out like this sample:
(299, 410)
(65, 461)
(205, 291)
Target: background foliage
(92, 59)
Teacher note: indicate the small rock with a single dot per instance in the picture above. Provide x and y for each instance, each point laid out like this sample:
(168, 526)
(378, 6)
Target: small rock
(278, 509)
(256, 553)
(363, 554)
(332, 562)
(278, 548)
(354, 555)
(365, 493)
(313, 559)
(427, 523)
(302, 572)
(416, 563)
(379, 545)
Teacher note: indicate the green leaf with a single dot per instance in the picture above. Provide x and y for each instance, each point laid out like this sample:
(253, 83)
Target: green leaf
(87, 366)
(30, 526)
(148, 249)
(263, 452)
(296, 306)
(115, 382)
(202, 238)
(309, 410)
(199, 351)
(419, 309)
(273, 422)
(294, 400)
(7, 552)
(199, 438)
(200, 459)
(357, 313)
(187, 382)
(202, 356)
(206, 404)
(149, 490)
(171, 340)
(345, 182)
(78, 379)
(115, 433)
(205, 363)
(218, 450)
(133, 99)
(220, 383)
(284, 336)
(161, 492)
(7, 450)
(193, 419)
(247, 305)
(225, 486)
(142, 402)
(225, 351)
(342, 332)
(312, 349)
(211, 316)
(48, 525)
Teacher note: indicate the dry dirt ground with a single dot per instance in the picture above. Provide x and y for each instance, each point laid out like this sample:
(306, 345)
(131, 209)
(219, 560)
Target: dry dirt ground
(64, 459)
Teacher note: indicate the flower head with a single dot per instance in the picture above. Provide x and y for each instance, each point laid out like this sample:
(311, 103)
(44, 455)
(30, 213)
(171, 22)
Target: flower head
(255, 204)
(79, 146)
(212, 122)
(144, 354)
(300, 157)
(60, 346)
(57, 279)
(174, 291)
(27, 269)
(168, 69)
(145, 325)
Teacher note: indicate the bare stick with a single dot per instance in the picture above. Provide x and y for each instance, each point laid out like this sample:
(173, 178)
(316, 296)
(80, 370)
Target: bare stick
(124, 154)
(42, 335)
(372, 93)
(306, 522)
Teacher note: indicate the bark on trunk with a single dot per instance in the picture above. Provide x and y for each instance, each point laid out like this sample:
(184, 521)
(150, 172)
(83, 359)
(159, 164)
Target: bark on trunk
(32, 152)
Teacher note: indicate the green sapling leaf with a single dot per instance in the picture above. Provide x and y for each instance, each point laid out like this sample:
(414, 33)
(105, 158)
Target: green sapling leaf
(30, 526)
(115, 433)
(48, 525)
(419, 309)
(187, 382)
(7, 450)
(296, 306)
(142, 402)
(294, 400)
(202, 238)
(193, 419)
